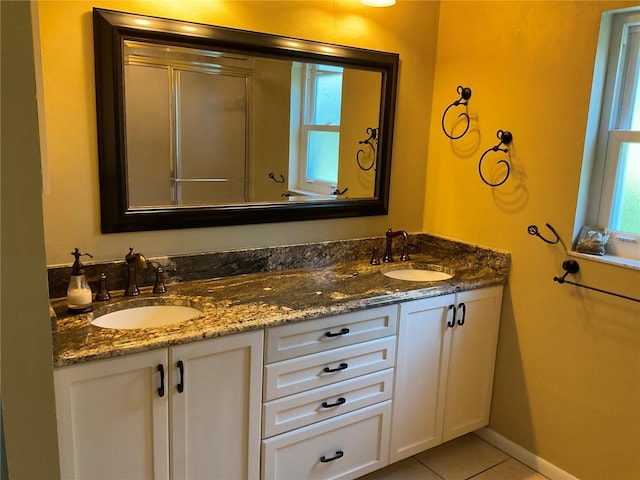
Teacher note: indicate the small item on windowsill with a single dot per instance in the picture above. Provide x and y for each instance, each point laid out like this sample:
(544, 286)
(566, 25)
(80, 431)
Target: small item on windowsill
(592, 240)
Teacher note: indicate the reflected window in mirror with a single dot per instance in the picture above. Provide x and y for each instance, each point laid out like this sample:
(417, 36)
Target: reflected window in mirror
(316, 106)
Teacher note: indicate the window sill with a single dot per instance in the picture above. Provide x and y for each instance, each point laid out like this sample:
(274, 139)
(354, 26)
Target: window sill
(609, 259)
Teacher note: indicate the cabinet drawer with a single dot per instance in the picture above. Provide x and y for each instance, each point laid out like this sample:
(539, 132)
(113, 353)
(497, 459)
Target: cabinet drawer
(312, 336)
(320, 369)
(305, 408)
(342, 447)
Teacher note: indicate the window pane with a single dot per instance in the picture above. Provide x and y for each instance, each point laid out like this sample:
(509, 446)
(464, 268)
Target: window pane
(625, 215)
(328, 99)
(629, 106)
(322, 161)
(324, 97)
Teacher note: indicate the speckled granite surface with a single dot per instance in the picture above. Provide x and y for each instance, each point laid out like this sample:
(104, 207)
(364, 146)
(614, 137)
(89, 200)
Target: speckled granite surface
(282, 294)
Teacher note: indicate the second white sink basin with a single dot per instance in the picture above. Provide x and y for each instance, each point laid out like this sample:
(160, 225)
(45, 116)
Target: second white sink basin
(417, 273)
(148, 316)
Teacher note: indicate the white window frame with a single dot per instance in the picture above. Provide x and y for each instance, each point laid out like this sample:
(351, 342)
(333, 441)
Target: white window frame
(303, 183)
(605, 137)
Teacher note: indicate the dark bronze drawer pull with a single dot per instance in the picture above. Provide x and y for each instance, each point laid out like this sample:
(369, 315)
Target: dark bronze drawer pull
(340, 401)
(339, 454)
(161, 387)
(181, 382)
(343, 331)
(452, 322)
(342, 366)
(464, 313)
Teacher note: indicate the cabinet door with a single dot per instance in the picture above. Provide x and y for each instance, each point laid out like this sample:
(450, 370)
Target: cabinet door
(216, 399)
(471, 361)
(112, 420)
(420, 381)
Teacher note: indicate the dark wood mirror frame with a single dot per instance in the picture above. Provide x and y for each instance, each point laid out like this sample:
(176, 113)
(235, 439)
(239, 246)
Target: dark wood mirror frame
(111, 28)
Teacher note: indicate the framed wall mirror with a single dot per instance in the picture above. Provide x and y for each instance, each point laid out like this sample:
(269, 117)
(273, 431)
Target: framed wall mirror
(202, 126)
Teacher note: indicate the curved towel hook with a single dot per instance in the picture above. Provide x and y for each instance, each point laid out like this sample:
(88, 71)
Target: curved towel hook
(505, 139)
(371, 141)
(273, 177)
(465, 95)
(533, 230)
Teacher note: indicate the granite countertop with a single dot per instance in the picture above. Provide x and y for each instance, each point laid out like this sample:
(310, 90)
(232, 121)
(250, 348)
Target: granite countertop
(258, 300)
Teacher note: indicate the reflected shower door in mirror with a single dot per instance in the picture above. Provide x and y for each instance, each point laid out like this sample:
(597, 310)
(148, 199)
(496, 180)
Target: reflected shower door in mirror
(201, 125)
(187, 121)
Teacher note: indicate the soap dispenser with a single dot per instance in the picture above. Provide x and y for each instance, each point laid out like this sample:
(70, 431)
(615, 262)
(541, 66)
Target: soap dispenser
(79, 292)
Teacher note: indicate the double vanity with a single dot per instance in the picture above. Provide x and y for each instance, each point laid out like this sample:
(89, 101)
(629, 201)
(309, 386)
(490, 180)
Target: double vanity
(324, 366)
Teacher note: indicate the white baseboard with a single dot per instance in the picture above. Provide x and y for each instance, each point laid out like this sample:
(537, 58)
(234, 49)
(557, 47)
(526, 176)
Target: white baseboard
(523, 455)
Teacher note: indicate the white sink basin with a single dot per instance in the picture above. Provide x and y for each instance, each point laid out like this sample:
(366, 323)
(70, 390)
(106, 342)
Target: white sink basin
(148, 316)
(417, 273)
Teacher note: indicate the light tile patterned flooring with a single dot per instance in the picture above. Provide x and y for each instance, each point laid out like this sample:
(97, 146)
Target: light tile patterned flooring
(460, 459)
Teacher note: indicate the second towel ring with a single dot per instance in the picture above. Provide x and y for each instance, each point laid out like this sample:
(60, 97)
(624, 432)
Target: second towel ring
(465, 95)
(505, 139)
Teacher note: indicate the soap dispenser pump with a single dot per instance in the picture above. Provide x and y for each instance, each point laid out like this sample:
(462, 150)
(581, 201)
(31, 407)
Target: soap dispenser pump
(79, 292)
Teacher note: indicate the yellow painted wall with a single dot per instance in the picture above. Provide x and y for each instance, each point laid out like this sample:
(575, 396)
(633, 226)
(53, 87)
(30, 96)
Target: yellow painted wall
(567, 383)
(72, 206)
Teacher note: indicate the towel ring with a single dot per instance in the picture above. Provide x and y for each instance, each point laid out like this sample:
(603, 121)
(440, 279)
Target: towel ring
(505, 139)
(465, 95)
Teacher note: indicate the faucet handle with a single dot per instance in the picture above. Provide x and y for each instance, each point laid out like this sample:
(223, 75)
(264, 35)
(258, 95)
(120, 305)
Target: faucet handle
(159, 286)
(375, 256)
(103, 290)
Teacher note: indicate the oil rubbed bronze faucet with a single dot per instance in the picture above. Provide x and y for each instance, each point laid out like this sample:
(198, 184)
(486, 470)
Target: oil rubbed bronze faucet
(388, 256)
(134, 260)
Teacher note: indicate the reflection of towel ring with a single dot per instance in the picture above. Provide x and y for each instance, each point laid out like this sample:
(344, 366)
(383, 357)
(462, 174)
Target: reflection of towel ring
(505, 139)
(465, 95)
(273, 177)
(371, 141)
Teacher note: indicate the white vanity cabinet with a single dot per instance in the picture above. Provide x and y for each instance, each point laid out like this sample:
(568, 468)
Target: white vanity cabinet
(444, 371)
(190, 411)
(327, 396)
(314, 399)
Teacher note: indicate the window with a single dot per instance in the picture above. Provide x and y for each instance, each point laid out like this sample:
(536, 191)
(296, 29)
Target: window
(319, 129)
(614, 189)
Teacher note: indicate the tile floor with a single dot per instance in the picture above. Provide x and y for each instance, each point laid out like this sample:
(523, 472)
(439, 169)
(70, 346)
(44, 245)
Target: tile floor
(460, 459)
